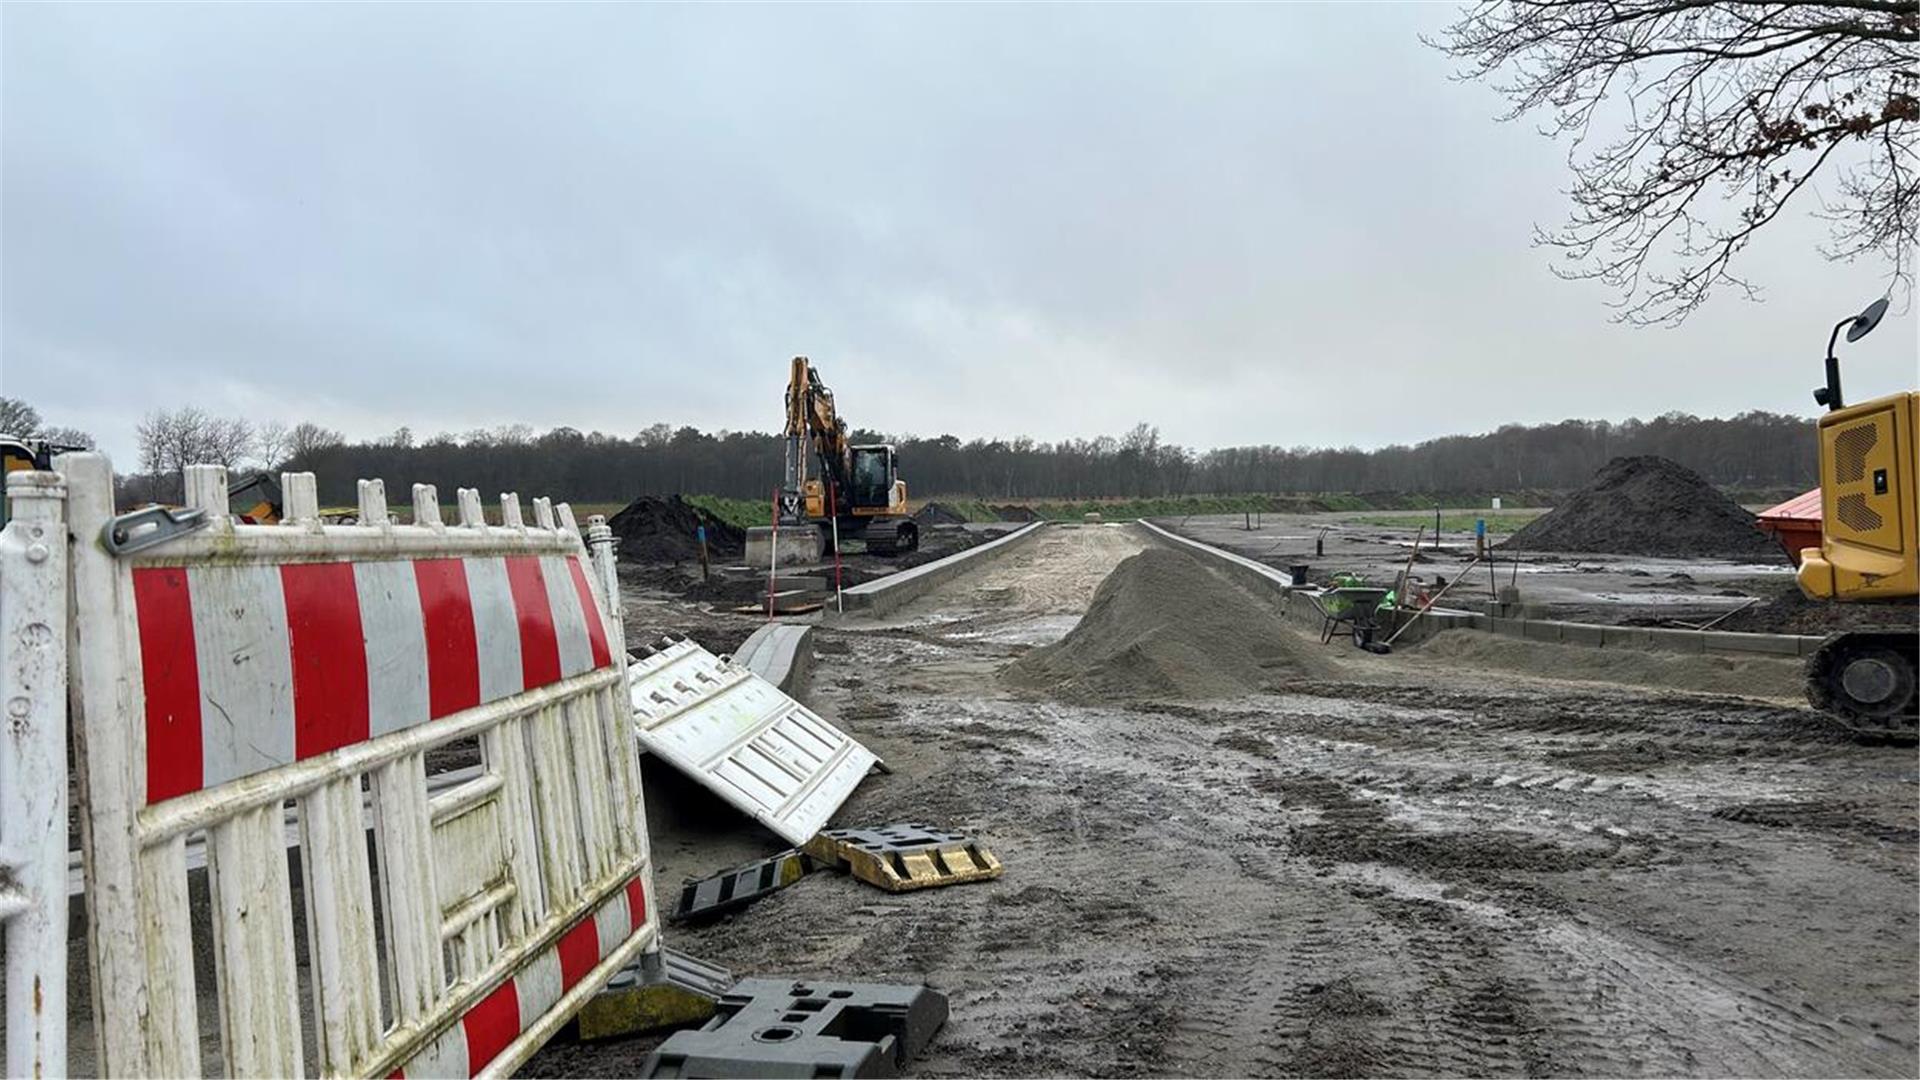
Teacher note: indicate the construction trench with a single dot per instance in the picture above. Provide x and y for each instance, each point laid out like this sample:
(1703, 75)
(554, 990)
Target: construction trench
(1231, 850)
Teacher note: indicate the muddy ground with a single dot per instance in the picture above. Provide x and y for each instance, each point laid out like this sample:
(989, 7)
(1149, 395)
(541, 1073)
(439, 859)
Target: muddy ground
(1435, 863)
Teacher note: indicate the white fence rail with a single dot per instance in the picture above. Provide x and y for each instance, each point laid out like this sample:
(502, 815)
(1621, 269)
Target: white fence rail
(229, 673)
(33, 774)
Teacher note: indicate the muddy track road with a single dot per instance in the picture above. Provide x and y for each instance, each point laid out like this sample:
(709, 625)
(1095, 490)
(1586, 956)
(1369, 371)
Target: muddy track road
(1419, 868)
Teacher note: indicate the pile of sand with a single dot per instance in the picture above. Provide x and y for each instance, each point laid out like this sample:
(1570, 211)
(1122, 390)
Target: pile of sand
(935, 513)
(1016, 512)
(1165, 626)
(1649, 506)
(664, 530)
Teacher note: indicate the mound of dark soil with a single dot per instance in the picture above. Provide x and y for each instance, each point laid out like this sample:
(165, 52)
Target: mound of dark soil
(935, 513)
(1649, 506)
(1011, 512)
(1788, 611)
(660, 529)
(1164, 625)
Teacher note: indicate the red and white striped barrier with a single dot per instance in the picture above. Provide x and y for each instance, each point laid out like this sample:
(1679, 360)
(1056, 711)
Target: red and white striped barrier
(228, 670)
(247, 668)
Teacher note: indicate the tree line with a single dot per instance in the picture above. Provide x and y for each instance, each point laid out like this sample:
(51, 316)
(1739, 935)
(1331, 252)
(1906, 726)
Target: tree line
(1754, 450)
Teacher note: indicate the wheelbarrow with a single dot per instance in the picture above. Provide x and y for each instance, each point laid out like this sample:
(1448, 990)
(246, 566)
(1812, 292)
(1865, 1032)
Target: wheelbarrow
(1356, 607)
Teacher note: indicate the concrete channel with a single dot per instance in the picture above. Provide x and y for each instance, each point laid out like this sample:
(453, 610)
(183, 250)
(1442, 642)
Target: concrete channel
(883, 595)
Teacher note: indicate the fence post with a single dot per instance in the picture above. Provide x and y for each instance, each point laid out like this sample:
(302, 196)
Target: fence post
(600, 548)
(33, 773)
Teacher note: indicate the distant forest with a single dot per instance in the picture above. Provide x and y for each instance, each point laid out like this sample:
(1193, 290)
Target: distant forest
(1752, 451)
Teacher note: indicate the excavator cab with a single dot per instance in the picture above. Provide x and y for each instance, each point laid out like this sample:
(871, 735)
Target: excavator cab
(875, 478)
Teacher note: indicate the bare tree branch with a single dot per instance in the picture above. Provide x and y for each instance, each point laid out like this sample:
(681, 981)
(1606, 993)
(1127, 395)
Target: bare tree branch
(1726, 114)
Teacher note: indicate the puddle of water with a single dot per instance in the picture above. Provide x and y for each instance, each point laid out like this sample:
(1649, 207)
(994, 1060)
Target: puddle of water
(1043, 630)
(1670, 598)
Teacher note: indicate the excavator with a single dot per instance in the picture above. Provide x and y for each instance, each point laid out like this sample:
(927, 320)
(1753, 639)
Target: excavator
(832, 490)
(1869, 551)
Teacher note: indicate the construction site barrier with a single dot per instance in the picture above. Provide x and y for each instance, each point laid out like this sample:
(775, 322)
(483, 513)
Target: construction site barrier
(740, 737)
(33, 773)
(882, 595)
(226, 672)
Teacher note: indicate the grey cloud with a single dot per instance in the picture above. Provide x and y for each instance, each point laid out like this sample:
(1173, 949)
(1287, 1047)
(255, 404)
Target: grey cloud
(987, 220)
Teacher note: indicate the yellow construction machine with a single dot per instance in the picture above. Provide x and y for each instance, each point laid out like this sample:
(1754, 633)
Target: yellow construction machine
(1869, 551)
(832, 489)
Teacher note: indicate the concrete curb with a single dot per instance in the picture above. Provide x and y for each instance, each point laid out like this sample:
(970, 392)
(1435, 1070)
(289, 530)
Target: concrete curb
(782, 654)
(885, 594)
(1552, 631)
(1650, 639)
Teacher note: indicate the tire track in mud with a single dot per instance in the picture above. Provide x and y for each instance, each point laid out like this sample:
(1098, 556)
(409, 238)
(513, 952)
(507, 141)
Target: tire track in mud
(1353, 878)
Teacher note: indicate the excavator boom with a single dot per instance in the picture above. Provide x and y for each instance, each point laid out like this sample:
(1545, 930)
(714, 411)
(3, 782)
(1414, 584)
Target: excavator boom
(831, 489)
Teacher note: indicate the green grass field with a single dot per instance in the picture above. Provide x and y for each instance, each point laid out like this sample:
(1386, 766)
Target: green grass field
(1498, 521)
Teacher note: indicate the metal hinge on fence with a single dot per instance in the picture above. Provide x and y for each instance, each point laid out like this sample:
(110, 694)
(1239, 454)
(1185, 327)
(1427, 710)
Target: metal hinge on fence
(144, 528)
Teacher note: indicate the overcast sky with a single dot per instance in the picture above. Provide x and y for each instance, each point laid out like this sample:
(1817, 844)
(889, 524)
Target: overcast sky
(1244, 224)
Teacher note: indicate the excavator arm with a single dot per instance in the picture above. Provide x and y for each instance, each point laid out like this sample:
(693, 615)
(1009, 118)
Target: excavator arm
(815, 435)
(836, 488)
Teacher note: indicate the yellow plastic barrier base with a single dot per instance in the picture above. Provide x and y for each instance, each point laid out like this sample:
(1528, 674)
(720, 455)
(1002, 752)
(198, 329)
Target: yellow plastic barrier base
(900, 858)
(673, 990)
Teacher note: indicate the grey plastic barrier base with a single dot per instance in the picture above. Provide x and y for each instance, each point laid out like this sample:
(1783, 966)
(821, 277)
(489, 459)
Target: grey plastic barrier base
(776, 1027)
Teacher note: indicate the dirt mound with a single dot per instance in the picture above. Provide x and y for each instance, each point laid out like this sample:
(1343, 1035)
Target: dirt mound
(1011, 512)
(1649, 506)
(665, 529)
(1788, 611)
(1163, 625)
(935, 513)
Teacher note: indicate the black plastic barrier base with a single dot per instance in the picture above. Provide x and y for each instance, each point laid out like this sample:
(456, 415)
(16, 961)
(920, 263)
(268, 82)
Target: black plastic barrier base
(774, 1028)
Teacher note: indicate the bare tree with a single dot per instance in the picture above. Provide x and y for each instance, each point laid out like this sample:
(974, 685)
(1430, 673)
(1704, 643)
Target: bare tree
(307, 439)
(172, 439)
(1694, 124)
(18, 418)
(67, 436)
(270, 443)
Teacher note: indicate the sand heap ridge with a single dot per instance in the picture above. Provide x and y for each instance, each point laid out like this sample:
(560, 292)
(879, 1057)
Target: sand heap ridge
(1164, 625)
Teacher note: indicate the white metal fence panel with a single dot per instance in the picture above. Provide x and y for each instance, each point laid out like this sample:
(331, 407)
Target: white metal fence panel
(33, 773)
(742, 738)
(235, 670)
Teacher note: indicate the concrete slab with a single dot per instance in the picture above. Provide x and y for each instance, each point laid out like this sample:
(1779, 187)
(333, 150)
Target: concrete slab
(1625, 637)
(1717, 641)
(1583, 634)
(1682, 641)
(782, 654)
(793, 546)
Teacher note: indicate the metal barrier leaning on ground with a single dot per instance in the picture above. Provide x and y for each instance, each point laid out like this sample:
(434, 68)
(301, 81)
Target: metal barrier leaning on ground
(33, 773)
(234, 667)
